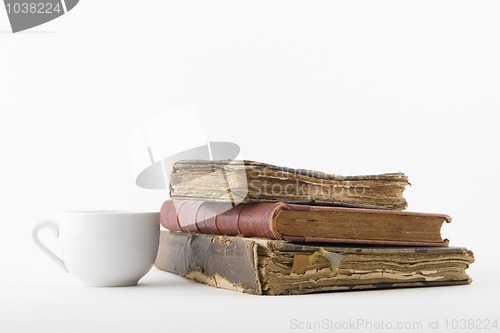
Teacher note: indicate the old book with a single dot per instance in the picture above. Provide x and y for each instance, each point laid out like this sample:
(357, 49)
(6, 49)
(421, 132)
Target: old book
(273, 267)
(305, 223)
(248, 181)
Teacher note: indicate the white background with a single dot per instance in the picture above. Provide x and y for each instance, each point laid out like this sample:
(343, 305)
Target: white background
(349, 88)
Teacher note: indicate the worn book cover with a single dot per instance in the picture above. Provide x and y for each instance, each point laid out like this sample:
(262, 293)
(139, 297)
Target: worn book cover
(275, 267)
(305, 223)
(249, 181)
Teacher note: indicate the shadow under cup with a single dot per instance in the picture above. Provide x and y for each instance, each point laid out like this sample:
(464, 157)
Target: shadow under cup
(109, 248)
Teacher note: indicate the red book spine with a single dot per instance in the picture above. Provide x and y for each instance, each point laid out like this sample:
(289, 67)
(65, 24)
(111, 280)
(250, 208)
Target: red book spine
(249, 220)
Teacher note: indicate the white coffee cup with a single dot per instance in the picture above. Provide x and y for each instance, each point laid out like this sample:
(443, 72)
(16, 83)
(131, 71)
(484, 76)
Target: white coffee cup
(104, 248)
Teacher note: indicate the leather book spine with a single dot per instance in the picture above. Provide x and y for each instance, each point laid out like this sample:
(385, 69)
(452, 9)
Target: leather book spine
(249, 220)
(214, 260)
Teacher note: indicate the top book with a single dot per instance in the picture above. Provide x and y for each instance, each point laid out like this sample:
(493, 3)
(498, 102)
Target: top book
(242, 181)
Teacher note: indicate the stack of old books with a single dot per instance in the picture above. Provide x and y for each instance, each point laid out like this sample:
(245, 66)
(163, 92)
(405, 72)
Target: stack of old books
(261, 229)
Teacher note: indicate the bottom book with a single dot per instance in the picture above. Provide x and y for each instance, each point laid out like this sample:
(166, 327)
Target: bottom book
(273, 267)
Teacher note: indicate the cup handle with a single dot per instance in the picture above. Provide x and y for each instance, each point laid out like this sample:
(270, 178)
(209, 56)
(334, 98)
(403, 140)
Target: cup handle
(55, 229)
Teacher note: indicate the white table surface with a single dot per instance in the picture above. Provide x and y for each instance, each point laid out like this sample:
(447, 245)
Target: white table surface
(164, 302)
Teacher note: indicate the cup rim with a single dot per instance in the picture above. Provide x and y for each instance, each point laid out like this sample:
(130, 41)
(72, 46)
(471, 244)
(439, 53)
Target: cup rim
(107, 212)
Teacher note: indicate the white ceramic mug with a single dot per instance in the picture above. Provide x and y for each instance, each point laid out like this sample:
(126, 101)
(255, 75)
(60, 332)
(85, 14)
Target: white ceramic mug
(104, 248)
